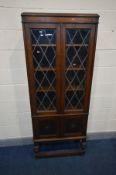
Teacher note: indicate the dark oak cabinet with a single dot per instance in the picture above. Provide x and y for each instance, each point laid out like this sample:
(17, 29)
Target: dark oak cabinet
(60, 52)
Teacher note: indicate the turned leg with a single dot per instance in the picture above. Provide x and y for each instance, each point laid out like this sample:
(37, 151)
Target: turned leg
(36, 148)
(83, 144)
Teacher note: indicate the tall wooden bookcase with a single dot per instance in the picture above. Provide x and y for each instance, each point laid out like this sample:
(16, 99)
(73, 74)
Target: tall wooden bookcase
(60, 51)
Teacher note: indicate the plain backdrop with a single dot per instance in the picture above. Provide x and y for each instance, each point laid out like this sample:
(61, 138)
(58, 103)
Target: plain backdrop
(15, 117)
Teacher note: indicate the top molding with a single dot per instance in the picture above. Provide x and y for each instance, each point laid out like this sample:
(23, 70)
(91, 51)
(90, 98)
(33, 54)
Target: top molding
(59, 18)
(60, 14)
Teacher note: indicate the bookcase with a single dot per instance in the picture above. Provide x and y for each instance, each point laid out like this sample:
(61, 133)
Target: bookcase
(60, 51)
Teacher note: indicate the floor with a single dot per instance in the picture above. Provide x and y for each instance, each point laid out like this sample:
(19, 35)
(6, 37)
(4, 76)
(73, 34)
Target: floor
(100, 159)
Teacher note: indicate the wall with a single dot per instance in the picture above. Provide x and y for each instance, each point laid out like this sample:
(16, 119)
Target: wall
(15, 118)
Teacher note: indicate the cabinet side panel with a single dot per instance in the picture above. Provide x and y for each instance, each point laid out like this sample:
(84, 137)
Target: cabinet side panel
(29, 65)
(90, 66)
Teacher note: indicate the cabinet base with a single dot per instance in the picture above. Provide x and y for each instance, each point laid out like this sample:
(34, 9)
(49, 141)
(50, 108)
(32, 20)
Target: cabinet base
(62, 152)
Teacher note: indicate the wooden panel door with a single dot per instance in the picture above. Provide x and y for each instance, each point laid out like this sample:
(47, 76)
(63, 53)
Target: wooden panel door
(77, 43)
(42, 41)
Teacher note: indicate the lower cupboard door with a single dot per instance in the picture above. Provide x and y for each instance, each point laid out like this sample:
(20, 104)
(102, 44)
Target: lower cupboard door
(45, 128)
(74, 126)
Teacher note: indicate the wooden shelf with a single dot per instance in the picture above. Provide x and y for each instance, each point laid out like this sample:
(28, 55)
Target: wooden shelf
(45, 89)
(74, 88)
(54, 70)
(74, 69)
(76, 45)
(45, 69)
(44, 45)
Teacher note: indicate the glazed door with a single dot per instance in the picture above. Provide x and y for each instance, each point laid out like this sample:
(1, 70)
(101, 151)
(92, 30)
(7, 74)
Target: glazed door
(78, 41)
(44, 65)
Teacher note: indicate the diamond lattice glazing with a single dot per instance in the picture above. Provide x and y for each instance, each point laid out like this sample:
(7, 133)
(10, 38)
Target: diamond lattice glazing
(77, 41)
(44, 56)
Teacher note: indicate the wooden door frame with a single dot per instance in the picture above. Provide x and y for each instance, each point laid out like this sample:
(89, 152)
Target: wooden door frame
(89, 66)
(30, 68)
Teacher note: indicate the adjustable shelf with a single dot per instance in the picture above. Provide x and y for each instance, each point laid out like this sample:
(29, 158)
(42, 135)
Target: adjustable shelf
(45, 89)
(75, 69)
(44, 45)
(76, 45)
(44, 69)
(74, 88)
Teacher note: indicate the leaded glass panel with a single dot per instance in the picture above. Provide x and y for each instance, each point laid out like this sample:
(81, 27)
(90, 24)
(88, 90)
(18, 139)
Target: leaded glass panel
(77, 41)
(44, 61)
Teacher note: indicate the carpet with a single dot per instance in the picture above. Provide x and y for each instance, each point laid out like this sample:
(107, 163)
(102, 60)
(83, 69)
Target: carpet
(99, 159)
